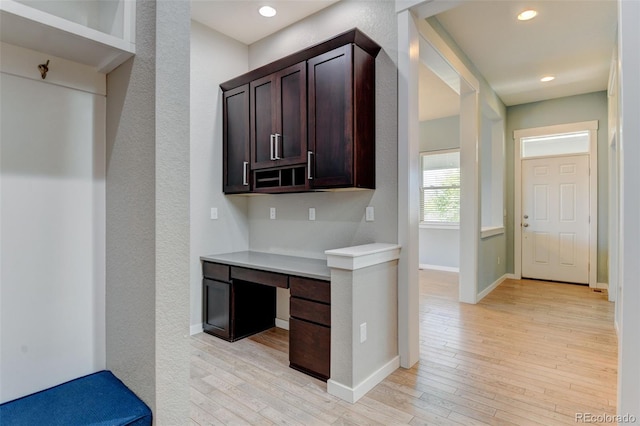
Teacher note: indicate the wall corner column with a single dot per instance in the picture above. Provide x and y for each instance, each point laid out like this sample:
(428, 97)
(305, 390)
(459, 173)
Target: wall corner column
(364, 318)
(408, 179)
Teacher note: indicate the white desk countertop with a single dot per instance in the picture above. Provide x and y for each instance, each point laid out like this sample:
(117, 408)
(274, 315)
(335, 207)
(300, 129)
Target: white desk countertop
(281, 264)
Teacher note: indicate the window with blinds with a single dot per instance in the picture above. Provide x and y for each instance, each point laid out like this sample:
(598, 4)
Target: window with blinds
(440, 187)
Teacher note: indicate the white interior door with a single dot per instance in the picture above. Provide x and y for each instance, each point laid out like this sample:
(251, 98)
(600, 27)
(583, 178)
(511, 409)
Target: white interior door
(555, 218)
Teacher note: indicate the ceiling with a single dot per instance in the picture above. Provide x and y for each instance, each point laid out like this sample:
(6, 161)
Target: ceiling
(239, 19)
(570, 39)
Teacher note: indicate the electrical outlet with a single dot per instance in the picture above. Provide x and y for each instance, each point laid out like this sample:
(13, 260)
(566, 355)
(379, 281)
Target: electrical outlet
(498, 260)
(363, 332)
(272, 213)
(369, 214)
(214, 212)
(312, 213)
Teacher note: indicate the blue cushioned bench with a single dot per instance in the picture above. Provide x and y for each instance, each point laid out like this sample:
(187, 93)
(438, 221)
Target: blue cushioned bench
(96, 399)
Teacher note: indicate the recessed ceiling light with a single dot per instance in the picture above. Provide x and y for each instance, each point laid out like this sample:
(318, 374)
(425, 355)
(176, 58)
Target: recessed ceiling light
(267, 11)
(547, 78)
(527, 14)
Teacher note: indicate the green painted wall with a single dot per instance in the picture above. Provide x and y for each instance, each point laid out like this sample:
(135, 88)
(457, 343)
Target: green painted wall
(587, 107)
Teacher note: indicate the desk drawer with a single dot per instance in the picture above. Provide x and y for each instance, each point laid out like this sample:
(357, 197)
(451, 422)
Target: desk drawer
(260, 277)
(215, 271)
(311, 311)
(306, 288)
(310, 348)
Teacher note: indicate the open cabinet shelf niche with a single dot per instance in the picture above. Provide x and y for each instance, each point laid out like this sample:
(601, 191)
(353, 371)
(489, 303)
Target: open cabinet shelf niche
(100, 34)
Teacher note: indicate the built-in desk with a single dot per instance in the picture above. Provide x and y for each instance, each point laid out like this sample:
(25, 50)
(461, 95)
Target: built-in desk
(343, 323)
(239, 299)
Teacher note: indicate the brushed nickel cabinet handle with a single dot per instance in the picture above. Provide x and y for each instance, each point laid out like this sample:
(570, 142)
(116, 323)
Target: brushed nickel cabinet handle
(278, 138)
(271, 156)
(309, 154)
(245, 173)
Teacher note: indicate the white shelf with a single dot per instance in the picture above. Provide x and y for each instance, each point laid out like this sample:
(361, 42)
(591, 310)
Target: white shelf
(34, 29)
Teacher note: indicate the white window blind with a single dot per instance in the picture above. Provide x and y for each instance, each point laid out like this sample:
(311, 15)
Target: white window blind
(440, 188)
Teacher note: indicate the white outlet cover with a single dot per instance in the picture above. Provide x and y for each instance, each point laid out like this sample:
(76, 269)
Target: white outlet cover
(272, 213)
(363, 332)
(214, 212)
(312, 213)
(369, 215)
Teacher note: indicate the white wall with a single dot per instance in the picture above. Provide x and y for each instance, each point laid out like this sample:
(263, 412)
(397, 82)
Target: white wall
(52, 225)
(210, 49)
(339, 215)
(147, 214)
(629, 297)
(439, 247)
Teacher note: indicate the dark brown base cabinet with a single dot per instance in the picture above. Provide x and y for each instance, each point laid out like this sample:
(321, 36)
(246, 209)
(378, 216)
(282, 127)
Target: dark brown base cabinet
(238, 302)
(234, 308)
(310, 327)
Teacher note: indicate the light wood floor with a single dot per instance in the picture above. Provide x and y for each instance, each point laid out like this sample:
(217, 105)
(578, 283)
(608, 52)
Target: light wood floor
(529, 353)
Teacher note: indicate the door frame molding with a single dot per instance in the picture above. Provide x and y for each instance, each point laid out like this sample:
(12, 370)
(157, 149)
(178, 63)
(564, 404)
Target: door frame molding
(592, 127)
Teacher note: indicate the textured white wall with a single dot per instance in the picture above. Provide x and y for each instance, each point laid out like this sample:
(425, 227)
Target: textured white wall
(131, 221)
(363, 296)
(375, 292)
(52, 232)
(339, 216)
(148, 212)
(173, 32)
(230, 232)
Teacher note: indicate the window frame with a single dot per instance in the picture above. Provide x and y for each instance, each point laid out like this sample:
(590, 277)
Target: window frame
(436, 224)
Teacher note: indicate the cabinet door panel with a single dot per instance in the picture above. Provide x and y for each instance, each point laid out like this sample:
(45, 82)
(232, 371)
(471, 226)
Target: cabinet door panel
(292, 115)
(310, 348)
(331, 117)
(217, 304)
(236, 140)
(262, 121)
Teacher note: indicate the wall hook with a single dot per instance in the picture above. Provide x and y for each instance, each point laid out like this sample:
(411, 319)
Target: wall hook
(44, 69)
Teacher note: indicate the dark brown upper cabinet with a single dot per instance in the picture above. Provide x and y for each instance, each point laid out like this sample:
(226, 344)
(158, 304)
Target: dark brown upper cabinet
(236, 141)
(310, 123)
(342, 119)
(278, 118)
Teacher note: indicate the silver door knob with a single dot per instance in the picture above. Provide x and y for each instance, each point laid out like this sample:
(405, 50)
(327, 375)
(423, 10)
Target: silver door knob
(526, 216)
(526, 225)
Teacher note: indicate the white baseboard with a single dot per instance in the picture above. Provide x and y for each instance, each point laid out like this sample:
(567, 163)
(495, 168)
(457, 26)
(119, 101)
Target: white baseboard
(489, 289)
(439, 268)
(604, 286)
(511, 276)
(280, 323)
(617, 327)
(354, 394)
(195, 329)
